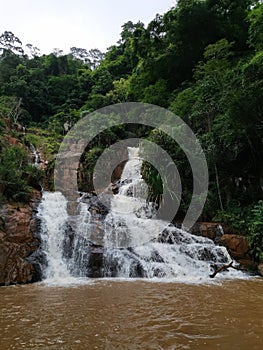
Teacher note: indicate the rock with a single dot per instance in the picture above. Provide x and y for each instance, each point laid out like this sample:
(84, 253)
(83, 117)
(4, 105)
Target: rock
(95, 263)
(17, 224)
(13, 266)
(117, 172)
(17, 243)
(12, 141)
(260, 269)
(210, 230)
(237, 245)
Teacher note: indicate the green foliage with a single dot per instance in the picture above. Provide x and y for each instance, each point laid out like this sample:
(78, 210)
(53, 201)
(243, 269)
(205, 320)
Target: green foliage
(256, 27)
(10, 108)
(31, 139)
(119, 93)
(13, 169)
(88, 163)
(153, 177)
(103, 81)
(233, 217)
(157, 94)
(2, 125)
(154, 181)
(46, 141)
(216, 58)
(256, 230)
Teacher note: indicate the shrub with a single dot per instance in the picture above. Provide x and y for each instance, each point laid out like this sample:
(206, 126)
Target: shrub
(14, 162)
(256, 231)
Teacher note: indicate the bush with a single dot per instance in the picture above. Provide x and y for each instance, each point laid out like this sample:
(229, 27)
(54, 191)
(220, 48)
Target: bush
(256, 231)
(14, 162)
(234, 219)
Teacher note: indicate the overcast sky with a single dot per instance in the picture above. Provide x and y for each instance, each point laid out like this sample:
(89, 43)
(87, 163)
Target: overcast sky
(50, 24)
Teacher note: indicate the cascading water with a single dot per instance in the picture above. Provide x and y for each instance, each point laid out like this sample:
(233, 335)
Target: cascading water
(128, 223)
(78, 258)
(53, 214)
(127, 248)
(64, 238)
(175, 254)
(35, 156)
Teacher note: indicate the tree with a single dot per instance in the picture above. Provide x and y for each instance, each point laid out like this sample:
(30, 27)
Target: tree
(103, 81)
(157, 94)
(10, 107)
(9, 42)
(32, 51)
(80, 54)
(256, 27)
(232, 19)
(133, 42)
(95, 56)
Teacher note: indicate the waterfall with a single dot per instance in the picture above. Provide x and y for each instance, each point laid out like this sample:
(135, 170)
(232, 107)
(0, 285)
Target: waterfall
(127, 248)
(128, 222)
(35, 156)
(53, 214)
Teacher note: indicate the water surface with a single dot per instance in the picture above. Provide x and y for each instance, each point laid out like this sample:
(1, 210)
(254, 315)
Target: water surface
(110, 314)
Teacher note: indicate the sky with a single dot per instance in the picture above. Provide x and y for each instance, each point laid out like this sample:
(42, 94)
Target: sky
(50, 24)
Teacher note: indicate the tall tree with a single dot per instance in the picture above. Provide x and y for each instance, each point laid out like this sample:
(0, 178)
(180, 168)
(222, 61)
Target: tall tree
(10, 42)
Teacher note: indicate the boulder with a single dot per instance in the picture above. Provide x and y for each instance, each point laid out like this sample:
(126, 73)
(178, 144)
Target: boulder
(210, 230)
(237, 246)
(260, 269)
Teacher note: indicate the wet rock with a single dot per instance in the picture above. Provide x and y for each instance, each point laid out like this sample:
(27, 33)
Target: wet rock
(38, 260)
(113, 261)
(13, 266)
(236, 244)
(136, 270)
(95, 206)
(169, 237)
(95, 262)
(210, 230)
(117, 172)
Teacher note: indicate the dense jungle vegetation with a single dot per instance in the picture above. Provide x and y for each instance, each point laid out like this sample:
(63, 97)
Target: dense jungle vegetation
(202, 60)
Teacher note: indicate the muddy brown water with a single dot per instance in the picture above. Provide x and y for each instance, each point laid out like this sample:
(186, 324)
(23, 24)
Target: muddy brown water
(107, 314)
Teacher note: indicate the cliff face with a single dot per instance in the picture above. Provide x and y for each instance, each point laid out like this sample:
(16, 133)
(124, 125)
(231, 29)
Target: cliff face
(18, 228)
(18, 242)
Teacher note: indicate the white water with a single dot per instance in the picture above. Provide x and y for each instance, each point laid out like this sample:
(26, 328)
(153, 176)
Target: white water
(81, 226)
(188, 260)
(129, 247)
(53, 214)
(128, 223)
(35, 156)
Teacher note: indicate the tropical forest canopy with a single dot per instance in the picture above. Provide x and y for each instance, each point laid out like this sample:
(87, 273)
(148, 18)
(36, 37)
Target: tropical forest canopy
(203, 60)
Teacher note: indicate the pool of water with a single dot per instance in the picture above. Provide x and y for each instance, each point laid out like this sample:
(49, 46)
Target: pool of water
(115, 314)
